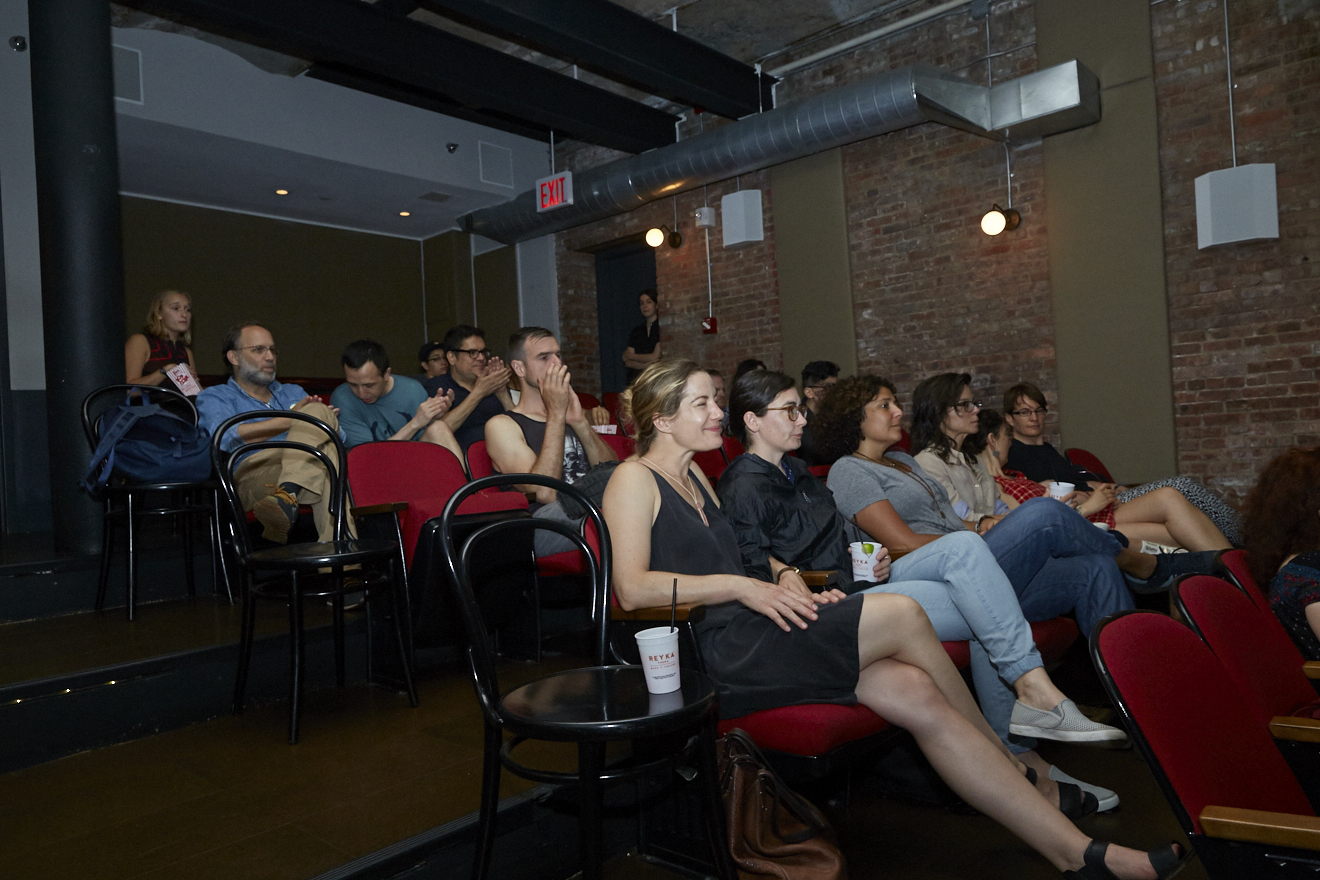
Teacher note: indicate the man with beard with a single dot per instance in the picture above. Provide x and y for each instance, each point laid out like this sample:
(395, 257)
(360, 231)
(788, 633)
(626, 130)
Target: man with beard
(271, 482)
(534, 437)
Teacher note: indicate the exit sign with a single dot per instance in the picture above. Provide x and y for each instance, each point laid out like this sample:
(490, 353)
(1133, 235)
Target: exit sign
(554, 191)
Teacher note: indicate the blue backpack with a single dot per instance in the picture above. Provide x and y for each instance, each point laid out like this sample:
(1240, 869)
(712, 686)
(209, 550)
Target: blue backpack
(145, 443)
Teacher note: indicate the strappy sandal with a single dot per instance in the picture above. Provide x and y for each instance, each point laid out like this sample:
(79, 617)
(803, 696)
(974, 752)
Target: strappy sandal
(1164, 860)
(1073, 801)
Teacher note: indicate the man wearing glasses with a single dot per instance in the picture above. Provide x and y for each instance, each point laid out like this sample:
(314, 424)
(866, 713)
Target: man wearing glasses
(479, 381)
(432, 359)
(817, 377)
(272, 482)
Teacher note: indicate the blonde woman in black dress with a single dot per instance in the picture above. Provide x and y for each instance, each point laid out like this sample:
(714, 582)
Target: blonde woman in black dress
(769, 645)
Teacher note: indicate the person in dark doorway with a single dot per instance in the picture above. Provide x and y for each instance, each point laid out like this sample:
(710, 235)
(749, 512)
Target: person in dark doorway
(534, 437)
(374, 404)
(431, 358)
(644, 340)
(479, 381)
(817, 378)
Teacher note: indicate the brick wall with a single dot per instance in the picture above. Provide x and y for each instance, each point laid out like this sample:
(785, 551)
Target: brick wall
(932, 294)
(1244, 318)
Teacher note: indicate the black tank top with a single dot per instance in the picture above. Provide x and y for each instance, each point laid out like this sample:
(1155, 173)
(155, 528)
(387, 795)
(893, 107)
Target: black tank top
(683, 544)
(162, 352)
(575, 457)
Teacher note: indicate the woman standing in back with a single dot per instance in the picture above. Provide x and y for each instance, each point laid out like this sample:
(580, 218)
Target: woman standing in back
(165, 342)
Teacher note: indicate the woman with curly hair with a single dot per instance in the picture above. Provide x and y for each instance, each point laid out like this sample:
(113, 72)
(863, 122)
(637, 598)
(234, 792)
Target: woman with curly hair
(772, 644)
(1283, 542)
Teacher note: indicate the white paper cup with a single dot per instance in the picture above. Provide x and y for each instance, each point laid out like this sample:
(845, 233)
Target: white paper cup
(864, 555)
(659, 649)
(1058, 490)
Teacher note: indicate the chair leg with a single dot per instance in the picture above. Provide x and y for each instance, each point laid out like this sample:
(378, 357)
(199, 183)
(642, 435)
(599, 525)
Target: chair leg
(400, 607)
(132, 556)
(219, 565)
(490, 801)
(246, 629)
(295, 655)
(712, 802)
(107, 551)
(591, 765)
(190, 571)
(337, 617)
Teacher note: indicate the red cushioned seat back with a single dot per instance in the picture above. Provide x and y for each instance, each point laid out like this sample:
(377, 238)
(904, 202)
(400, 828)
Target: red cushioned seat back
(478, 460)
(588, 401)
(732, 448)
(711, 462)
(1090, 461)
(819, 471)
(1190, 720)
(613, 402)
(904, 443)
(1234, 564)
(623, 446)
(1253, 646)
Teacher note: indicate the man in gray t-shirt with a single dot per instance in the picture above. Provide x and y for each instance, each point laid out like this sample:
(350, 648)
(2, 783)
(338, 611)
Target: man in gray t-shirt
(857, 484)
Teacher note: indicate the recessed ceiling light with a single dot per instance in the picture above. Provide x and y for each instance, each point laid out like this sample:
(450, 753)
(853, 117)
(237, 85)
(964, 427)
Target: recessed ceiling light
(405, 213)
(281, 192)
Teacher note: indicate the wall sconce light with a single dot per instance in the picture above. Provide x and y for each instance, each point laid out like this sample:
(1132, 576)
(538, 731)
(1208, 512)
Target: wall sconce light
(998, 219)
(658, 235)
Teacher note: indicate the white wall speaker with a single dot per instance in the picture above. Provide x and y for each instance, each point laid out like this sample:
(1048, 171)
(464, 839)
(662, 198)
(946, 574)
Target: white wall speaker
(742, 218)
(1236, 204)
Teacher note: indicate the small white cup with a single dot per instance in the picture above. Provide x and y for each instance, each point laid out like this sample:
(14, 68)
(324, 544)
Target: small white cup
(1058, 490)
(659, 649)
(864, 555)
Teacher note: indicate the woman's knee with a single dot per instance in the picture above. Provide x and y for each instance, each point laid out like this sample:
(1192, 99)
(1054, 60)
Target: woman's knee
(902, 694)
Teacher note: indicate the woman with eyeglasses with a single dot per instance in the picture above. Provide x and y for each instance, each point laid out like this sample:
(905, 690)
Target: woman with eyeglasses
(1163, 516)
(768, 645)
(785, 521)
(1025, 411)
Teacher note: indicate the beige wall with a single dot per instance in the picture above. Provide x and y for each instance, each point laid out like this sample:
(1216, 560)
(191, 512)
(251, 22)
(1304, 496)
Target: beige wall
(315, 288)
(1103, 210)
(496, 276)
(449, 289)
(811, 243)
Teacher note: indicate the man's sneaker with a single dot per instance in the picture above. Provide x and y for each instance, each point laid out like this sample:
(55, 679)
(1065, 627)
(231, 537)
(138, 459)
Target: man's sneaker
(1169, 566)
(1065, 722)
(1108, 799)
(277, 513)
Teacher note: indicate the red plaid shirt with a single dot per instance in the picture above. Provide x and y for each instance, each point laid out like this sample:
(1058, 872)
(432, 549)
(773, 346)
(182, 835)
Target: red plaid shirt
(1016, 485)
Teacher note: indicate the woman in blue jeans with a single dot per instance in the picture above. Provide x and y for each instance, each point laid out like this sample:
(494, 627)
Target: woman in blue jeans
(785, 520)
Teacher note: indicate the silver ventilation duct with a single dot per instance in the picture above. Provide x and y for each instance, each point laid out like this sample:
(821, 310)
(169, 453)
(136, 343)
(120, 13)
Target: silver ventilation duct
(1049, 101)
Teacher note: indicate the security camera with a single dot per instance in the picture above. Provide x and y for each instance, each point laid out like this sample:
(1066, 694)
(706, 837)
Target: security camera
(451, 147)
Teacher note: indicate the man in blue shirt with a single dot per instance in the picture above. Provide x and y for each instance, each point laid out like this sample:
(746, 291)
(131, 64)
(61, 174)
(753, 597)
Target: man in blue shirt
(374, 404)
(271, 482)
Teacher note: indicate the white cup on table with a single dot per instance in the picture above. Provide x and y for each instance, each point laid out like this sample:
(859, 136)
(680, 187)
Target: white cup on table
(658, 647)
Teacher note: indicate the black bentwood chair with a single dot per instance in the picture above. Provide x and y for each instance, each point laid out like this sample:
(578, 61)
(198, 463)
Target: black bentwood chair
(293, 572)
(127, 501)
(592, 706)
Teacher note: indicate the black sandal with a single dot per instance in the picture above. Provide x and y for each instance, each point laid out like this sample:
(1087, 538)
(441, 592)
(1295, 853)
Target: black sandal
(1073, 801)
(1164, 860)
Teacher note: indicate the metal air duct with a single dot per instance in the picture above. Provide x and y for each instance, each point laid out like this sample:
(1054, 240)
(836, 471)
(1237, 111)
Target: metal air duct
(1057, 99)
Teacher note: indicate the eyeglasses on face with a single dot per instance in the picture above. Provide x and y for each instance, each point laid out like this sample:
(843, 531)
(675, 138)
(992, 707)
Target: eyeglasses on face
(483, 353)
(967, 406)
(258, 350)
(1038, 412)
(793, 410)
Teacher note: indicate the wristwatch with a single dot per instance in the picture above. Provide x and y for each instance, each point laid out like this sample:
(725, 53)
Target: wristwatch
(792, 568)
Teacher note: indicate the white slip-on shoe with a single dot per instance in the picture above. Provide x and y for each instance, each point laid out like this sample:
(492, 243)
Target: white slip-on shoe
(1065, 723)
(1108, 799)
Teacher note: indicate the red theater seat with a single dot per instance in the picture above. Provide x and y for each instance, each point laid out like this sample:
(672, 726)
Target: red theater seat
(1090, 461)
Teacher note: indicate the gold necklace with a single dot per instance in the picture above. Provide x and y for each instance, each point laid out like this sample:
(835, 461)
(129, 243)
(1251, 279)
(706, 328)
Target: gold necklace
(696, 499)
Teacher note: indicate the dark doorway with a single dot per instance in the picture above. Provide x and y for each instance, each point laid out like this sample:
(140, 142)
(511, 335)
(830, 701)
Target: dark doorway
(622, 273)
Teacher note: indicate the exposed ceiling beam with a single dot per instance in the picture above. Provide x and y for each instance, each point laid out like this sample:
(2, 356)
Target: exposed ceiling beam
(352, 35)
(621, 45)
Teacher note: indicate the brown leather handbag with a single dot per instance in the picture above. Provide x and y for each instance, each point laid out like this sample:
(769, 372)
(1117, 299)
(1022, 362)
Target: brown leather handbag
(773, 831)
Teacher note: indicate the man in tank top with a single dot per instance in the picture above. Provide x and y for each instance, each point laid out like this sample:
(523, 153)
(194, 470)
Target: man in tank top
(547, 432)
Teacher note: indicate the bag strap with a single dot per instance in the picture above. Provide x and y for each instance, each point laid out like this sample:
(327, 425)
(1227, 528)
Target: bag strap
(120, 423)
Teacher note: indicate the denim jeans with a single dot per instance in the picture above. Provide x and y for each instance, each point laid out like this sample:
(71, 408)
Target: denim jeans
(1058, 562)
(968, 598)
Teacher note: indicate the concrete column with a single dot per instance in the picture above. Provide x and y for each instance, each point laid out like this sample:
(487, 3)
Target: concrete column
(82, 270)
